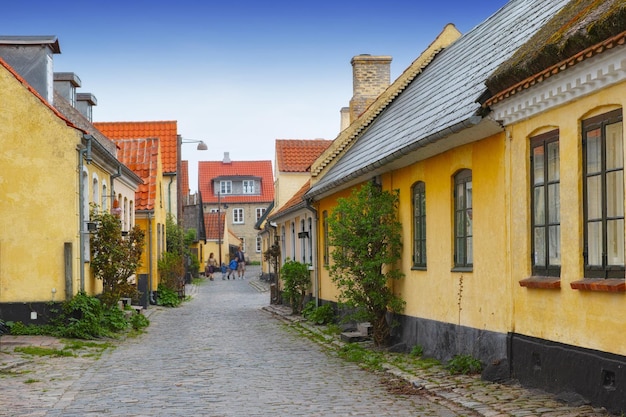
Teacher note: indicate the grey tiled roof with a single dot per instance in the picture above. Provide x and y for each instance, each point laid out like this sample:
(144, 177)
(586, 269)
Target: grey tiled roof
(444, 96)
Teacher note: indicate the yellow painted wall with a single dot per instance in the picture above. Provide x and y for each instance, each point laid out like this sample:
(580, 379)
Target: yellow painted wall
(588, 319)
(434, 293)
(39, 204)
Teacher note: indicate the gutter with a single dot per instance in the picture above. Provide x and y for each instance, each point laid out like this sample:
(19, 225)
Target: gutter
(448, 131)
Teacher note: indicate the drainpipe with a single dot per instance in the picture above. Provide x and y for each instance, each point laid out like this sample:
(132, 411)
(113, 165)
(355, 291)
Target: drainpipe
(113, 177)
(85, 154)
(169, 195)
(315, 267)
(150, 292)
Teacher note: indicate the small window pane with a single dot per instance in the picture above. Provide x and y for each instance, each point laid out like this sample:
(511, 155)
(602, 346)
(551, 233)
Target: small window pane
(553, 161)
(468, 222)
(594, 246)
(594, 198)
(538, 164)
(614, 149)
(540, 209)
(615, 194)
(555, 245)
(594, 152)
(615, 242)
(540, 246)
(554, 201)
(470, 251)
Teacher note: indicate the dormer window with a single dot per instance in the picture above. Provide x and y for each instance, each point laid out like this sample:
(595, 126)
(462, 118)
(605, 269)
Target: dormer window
(248, 186)
(226, 187)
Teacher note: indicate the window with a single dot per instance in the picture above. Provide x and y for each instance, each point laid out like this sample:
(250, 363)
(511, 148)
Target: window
(603, 196)
(104, 197)
(302, 242)
(419, 225)
(94, 190)
(243, 243)
(226, 187)
(463, 249)
(238, 215)
(293, 241)
(260, 211)
(259, 243)
(546, 204)
(310, 240)
(248, 186)
(325, 231)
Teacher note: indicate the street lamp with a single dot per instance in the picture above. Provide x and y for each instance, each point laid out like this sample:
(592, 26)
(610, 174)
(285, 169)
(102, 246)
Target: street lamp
(179, 191)
(201, 145)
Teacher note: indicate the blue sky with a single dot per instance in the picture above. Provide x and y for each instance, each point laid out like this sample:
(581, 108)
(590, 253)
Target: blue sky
(237, 74)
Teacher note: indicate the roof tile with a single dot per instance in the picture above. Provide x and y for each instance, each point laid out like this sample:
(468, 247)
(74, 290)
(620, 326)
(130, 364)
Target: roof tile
(165, 131)
(141, 156)
(297, 155)
(209, 170)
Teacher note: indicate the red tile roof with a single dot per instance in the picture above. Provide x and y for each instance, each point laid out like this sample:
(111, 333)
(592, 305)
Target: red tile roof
(166, 131)
(212, 225)
(184, 177)
(208, 170)
(297, 155)
(142, 156)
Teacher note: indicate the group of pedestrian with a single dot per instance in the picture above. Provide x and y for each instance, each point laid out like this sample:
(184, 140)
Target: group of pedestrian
(236, 268)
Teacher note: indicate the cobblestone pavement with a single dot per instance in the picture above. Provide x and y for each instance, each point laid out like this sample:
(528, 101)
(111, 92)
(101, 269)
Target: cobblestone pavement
(221, 354)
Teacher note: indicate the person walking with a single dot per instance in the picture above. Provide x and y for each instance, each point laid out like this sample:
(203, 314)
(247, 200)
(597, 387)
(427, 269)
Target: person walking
(232, 268)
(211, 265)
(241, 263)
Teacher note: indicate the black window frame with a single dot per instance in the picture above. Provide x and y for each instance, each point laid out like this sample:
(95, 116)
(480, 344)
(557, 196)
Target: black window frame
(588, 125)
(462, 262)
(549, 269)
(418, 198)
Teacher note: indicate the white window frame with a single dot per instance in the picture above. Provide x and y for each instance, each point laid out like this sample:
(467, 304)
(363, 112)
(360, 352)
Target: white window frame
(248, 186)
(238, 215)
(226, 187)
(260, 211)
(259, 244)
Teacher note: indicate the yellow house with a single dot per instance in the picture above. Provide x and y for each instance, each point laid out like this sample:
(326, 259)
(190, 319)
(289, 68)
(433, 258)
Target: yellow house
(564, 155)
(55, 166)
(143, 156)
(428, 136)
(38, 185)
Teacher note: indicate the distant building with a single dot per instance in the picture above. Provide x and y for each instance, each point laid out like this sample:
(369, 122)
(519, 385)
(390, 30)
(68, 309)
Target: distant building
(241, 189)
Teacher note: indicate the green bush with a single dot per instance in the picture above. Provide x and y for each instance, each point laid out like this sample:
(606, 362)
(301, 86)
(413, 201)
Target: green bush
(319, 315)
(167, 297)
(139, 321)
(464, 364)
(297, 280)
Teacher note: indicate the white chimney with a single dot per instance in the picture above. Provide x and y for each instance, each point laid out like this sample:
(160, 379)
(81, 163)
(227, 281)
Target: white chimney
(226, 158)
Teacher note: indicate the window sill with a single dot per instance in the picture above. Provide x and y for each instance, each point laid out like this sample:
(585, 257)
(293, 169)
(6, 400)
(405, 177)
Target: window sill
(462, 269)
(600, 284)
(546, 283)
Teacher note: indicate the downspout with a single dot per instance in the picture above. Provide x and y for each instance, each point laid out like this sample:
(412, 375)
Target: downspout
(85, 154)
(150, 269)
(113, 177)
(316, 284)
(169, 195)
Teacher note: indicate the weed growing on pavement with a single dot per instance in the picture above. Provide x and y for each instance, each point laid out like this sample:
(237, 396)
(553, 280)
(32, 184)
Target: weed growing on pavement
(42, 351)
(167, 297)
(31, 381)
(319, 315)
(464, 364)
(367, 358)
(417, 351)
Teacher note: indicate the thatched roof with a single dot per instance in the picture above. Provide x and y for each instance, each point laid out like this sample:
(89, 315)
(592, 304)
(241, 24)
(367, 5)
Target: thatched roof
(579, 25)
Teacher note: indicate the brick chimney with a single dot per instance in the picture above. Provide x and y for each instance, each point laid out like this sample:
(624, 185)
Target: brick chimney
(85, 103)
(66, 83)
(31, 58)
(371, 75)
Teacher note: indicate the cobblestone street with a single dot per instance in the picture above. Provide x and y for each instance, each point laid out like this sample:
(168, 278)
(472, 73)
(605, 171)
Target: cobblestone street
(221, 354)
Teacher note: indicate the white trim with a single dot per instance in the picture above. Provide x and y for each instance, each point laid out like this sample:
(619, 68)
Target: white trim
(589, 76)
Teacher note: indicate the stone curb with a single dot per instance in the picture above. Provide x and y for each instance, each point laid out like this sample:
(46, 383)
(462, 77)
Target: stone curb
(466, 394)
